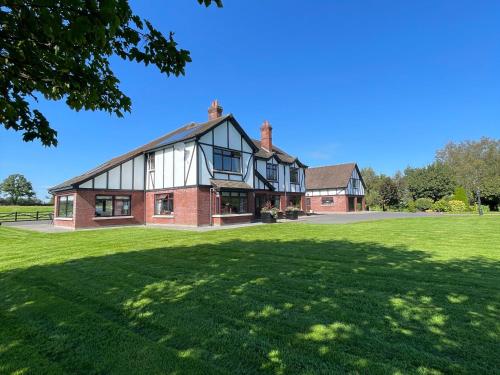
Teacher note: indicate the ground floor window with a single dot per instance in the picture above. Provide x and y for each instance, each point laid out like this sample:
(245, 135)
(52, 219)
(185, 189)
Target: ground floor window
(275, 201)
(164, 204)
(112, 205)
(326, 201)
(294, 201)
(233, 202)
(65, 206)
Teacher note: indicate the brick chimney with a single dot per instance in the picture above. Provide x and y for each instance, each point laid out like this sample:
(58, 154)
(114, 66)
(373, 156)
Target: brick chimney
(266, 136)
(214, 111)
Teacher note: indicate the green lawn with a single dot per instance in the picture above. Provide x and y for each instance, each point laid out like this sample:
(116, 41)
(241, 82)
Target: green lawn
(397, 296)
(4, 209)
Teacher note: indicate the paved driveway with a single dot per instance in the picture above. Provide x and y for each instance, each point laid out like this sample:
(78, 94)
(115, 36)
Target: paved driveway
(353, 217)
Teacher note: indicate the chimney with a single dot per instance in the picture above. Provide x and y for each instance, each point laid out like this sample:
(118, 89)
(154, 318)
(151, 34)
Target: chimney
(266, 136)
(214, 111)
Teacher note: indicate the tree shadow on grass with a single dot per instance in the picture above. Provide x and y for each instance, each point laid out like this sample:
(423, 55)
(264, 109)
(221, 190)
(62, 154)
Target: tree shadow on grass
(251, 307)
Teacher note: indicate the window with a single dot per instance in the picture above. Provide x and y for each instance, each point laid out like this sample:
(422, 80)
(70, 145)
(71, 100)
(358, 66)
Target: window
(227, 160)
(272, 172)
(233, 202)
(65, 206)
(109, 205)
(294, 175)
(164, 204)
(326, 201)
(295, 202)
(275, 201)
(354, 183)
(151, 162)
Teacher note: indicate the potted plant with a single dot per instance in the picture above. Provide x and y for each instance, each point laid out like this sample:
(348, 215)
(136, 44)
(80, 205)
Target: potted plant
(269, 213)
(292, 213)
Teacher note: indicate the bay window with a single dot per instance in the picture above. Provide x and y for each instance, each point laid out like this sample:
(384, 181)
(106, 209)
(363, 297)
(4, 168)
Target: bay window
(233, 202)
(164, 204)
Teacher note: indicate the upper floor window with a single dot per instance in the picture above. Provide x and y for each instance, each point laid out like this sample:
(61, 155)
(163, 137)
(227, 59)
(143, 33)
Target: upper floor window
(227, 160)
(272, 172)
(65, 206)
(294, 175)
(151, 162)
(112, 205)
(164, 204)
(354, 183)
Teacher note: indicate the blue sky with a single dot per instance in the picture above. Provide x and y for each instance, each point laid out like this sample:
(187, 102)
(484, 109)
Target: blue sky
(384, 84)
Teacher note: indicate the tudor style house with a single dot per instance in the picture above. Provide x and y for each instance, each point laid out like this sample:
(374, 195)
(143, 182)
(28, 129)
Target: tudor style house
(209, 173)
(335, 188)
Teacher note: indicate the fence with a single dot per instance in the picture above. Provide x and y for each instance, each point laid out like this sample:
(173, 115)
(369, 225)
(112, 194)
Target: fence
(8, 217)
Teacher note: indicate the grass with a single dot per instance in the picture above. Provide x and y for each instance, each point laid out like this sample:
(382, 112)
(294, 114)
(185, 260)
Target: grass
(7, 209)
(396, 296)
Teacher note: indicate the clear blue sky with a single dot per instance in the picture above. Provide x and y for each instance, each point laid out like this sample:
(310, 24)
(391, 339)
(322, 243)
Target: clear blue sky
(384, 84)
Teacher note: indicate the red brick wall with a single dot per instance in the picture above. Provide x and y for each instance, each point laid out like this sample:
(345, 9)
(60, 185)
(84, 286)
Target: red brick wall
(85, 208)
(232, 220)
(339, 204)
(191, 207)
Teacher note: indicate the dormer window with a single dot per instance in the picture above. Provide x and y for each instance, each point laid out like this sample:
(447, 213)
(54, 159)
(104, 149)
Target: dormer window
(272, 172)
(227, 160)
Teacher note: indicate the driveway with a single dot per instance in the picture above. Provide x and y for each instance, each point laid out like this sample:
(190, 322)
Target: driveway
(354, 217)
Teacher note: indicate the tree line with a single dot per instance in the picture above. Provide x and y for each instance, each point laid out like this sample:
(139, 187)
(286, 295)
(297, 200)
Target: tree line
(17, 190)
(463, 176)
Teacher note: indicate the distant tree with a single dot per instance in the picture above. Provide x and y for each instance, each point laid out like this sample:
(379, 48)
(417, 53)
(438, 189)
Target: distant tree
(388, 193)
(434, 181)
(62, 49)
(476, 165)
(16, 186)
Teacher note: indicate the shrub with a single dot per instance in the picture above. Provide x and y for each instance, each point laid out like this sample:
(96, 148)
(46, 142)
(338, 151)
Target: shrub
(441, 205)
(460, 195)
(423, 204)
(410, 206)
(485, 208)
(457, 206)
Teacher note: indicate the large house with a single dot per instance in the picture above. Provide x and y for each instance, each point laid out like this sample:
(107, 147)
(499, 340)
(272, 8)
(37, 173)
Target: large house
(335, 188)
(209, 173)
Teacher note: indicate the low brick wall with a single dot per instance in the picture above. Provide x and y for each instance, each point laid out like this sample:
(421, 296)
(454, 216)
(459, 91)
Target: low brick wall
(219, 220)
(340, 204)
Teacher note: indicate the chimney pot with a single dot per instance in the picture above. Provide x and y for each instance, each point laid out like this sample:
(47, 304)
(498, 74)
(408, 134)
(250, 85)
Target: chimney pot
(215, 110)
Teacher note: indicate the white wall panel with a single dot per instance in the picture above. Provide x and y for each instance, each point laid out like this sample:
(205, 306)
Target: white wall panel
(190, 163)
(205, 159)
(86, 185)
(114, 178)
(246, 146)
(159, 169)
(234, 138)
(168, 167)
(220, 135)
(139, 172)
(100, 181)
(127, 175)
(179, 164)
(206, 138)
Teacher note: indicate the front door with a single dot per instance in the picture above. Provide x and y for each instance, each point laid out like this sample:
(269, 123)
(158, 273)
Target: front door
(308, 204)
(260, 201)
(351, 204)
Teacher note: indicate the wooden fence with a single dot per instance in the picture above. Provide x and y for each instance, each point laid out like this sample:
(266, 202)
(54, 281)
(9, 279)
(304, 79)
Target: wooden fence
(8, 217)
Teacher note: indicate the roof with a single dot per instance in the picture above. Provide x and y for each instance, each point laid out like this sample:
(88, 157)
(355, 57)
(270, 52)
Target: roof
(229, 184)
(189, 131)
(329, 177)
(276, 151)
